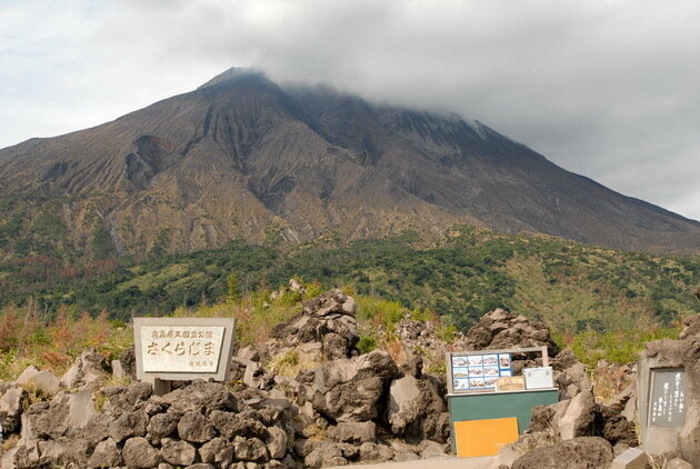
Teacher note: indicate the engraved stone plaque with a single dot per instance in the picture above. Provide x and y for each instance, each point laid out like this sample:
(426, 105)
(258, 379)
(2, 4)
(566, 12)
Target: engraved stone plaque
(183, 348)
(667, 401)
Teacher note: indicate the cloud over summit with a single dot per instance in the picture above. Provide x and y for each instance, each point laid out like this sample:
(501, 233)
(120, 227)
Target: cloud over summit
(606, 89)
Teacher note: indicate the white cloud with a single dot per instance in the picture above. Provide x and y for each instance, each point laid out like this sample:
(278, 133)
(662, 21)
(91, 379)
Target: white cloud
(606, 88)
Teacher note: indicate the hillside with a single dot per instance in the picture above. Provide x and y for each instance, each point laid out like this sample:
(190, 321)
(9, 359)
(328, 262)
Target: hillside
(329, 381)
(244, 158)
(573, 287)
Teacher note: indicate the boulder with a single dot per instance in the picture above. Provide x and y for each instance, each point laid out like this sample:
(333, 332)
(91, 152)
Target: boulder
(76, 451)
(163, 424)
(126, 398)
(195, 427)
(351, 389)
(217, 450)
(138, 453)
(46, 419)
(431, 449)
(80, 408)
(106, 454)
(571, 380)
(372, 452)
(42, 380)
(127, 359)
(277, 442)
(501, 329)
(65, 413)
(678, 463)
(626, 402)
(127, 425)
(416, 409)
(96, 429)
(578, 453)
(31, 454)
(328, 319)
(325, 454)
(231, 425)
(202, 397)
(404, 404)
(118, 372)
(616, 428)
(11, 408)
(354, 432)
(248, 353)
(331, 303)
(26, 454)
(577, 417)
(8, 458)
(691, 327)
(250, 449)
(89, 369)
(177, 452)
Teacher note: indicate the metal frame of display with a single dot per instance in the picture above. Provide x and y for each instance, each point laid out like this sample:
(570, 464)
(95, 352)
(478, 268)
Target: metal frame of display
(451, 356)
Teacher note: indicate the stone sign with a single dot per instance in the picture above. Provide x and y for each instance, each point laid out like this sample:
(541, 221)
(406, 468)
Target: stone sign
(664, 396)
(667, 401)
(183, 348)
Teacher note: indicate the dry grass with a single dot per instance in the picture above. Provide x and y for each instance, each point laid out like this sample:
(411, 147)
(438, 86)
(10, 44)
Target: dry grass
(609, 380)
(54, 344)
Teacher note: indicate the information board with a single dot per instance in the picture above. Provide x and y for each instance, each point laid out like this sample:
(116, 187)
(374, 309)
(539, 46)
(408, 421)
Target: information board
(479, 372)
(667, 403)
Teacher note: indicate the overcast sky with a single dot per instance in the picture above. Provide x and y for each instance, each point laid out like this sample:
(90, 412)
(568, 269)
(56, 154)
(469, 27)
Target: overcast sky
(607, 89)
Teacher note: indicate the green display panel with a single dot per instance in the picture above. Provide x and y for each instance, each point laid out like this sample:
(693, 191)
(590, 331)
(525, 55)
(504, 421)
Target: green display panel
(499, 405)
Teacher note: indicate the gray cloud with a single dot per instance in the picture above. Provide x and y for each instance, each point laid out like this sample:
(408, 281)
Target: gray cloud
(605, 89)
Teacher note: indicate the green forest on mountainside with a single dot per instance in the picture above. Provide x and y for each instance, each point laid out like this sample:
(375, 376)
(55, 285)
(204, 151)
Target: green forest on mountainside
(573, 287)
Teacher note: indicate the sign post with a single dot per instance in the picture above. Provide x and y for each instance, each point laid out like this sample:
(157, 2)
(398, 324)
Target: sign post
(663, 398)
(489, 403)
(169, 349)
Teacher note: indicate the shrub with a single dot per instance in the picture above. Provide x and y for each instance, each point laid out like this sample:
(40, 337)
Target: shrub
(366, 344)
(616, 346)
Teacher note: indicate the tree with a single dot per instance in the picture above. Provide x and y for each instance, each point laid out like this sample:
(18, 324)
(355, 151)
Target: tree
(233, 293)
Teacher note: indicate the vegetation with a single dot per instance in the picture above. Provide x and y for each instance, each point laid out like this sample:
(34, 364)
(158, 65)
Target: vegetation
(571, 286)
(28, 338)
(617, 346)
(603, 303)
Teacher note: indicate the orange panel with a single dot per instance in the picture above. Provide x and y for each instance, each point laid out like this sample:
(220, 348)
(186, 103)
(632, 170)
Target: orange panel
(475, 438)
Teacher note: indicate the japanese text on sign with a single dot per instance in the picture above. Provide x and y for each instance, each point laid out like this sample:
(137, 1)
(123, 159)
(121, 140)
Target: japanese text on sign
(181, 349)
(667, 404)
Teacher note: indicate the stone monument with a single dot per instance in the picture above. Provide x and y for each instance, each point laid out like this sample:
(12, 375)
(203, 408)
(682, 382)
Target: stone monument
(169, 349)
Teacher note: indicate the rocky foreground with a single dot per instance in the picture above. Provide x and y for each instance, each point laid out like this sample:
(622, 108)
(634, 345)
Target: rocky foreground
(305, 398)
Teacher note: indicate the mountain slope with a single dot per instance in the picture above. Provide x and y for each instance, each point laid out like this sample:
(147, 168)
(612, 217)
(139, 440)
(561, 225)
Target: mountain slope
(242, 157)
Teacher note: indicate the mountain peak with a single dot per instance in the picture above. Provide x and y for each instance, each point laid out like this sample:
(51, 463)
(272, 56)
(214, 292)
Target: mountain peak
(231, 74)
(246, 159)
